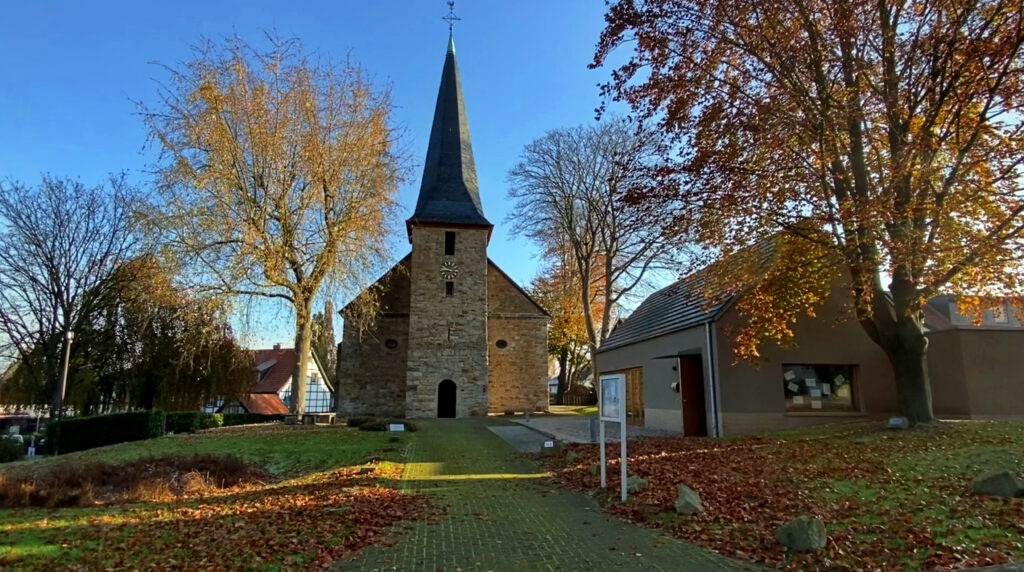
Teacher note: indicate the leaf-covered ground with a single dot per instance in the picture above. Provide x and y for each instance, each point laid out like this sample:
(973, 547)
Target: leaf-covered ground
(890, 500)
(333, 492)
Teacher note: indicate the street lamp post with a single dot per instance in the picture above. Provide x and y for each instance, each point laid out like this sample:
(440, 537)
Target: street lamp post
(70, 337)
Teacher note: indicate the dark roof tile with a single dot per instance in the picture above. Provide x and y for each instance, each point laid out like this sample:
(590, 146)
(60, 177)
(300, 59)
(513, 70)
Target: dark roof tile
(449, 192)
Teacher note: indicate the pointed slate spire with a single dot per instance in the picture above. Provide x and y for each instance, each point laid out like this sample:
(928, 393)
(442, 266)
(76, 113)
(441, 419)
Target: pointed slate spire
(449, 192)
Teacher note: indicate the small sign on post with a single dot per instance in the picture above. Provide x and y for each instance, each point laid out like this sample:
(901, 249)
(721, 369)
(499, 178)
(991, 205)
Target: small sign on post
(612, 408)
(396, 427)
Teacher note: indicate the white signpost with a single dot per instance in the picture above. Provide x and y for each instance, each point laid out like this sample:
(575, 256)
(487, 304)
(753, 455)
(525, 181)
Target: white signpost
(612, 407)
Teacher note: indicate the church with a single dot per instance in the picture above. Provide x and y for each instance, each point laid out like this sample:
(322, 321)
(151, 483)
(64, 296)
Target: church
(454, 336)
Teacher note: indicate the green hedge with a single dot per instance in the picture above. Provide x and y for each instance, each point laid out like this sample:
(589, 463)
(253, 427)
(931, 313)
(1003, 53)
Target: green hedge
(192, 421)
(231, 419)
(11, 450)
(80, 433)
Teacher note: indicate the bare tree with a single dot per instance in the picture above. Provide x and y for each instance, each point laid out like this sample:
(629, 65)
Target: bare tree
(278, 174)
(60, 245)
(570, 188)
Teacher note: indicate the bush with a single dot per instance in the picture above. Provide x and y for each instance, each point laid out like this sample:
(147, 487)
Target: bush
(78, 482)
(408, 424)
(358, 421)
(211, 421)
(232, 419)
(11, 450)
(372, 424)
(192, 421)
(80, 433)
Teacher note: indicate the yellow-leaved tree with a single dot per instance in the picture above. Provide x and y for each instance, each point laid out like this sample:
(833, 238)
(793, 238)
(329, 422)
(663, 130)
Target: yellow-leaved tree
(277, 172)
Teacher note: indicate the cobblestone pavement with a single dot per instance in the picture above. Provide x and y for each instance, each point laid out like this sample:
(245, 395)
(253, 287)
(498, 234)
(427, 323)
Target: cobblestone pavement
(577, 428)
(504, 514)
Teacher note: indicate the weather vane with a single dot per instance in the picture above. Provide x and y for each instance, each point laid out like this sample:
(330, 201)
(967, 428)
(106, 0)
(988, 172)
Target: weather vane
(451, 18)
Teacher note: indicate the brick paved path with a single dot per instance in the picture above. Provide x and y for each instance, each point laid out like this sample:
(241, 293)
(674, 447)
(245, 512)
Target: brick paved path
(504, 514)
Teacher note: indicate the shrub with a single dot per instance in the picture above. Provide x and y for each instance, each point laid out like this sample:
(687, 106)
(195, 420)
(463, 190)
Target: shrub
(358, 421)
(80, 433)
(232, 419)
(211, 421)
(408, 424)
(75, 483)
(374, 425)
(11, 450)
(382, 424)
(192, 421)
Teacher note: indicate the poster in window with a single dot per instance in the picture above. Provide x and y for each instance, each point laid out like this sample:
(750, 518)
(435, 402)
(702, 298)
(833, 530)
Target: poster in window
(613, 392)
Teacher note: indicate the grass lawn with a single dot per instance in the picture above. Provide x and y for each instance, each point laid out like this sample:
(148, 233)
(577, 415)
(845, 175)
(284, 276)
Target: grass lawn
(315, 506)
(890, 500)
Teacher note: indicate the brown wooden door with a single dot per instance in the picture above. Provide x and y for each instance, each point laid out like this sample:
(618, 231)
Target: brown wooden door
(691, 388)
(635, 396)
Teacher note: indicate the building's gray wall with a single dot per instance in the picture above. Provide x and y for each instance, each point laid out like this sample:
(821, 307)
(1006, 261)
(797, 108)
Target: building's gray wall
(662, 405)
(752, 395)
(950, 396)
(977, 373)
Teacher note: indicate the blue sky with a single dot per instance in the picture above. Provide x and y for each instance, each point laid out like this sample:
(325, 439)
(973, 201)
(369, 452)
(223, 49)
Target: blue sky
(71, 71)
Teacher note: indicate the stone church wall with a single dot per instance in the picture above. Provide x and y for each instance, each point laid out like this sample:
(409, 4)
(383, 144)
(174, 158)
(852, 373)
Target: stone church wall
(371, 375)
(518, 371)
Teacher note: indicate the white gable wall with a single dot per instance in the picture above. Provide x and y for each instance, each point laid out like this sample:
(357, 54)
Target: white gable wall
(319, 398)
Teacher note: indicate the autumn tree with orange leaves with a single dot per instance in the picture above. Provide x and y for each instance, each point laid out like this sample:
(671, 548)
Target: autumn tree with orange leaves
(557, 289)
(278, 172)
(892, 129)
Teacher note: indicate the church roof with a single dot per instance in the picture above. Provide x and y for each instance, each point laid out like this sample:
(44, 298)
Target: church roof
(449, 191)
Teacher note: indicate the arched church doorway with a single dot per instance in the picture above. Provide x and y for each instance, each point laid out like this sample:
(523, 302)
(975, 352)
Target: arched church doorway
(446, 399)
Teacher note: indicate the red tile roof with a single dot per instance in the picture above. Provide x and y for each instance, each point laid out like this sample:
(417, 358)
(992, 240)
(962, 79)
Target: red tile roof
(280, 374)
(264, 403)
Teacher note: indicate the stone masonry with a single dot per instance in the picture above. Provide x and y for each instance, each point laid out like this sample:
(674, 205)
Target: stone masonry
(371, 374)
(513, 318)
(447, 334)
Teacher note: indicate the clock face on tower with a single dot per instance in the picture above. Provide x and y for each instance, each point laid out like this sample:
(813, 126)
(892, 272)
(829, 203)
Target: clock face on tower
(449, 270)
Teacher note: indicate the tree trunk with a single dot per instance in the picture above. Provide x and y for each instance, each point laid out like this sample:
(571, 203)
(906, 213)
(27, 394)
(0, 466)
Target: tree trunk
(563, 376)
(907, 350)
(303, 339)
(53, 361)
(897, 326)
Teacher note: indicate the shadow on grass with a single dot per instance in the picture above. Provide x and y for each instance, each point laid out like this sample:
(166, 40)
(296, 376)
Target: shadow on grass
(281, 525)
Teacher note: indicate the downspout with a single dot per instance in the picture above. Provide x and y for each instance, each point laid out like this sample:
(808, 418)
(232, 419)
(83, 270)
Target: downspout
(712, 381)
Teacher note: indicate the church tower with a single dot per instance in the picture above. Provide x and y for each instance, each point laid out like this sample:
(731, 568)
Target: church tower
(454, 335)
(447, 367)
